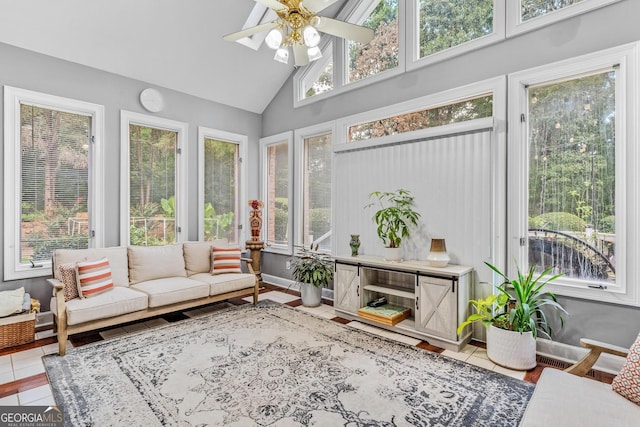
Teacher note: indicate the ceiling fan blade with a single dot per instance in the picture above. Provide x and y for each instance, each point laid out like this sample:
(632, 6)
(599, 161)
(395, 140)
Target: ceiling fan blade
(345, 30)
(300, 55)
(316, 6)
(250, 31)
(272, 4)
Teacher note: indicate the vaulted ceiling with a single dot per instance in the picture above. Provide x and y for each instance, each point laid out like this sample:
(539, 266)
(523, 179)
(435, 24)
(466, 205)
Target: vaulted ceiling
(176, 44)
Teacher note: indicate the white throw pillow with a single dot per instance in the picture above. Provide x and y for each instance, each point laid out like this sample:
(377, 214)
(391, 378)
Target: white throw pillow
(11, 302)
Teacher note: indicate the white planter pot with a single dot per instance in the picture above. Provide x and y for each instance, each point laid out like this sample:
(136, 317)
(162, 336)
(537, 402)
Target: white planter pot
(392, 254)
(513, 350)
(311, 295)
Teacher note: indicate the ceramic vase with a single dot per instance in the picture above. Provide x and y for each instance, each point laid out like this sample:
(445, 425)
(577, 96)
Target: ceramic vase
(392, 254)
(438, 256)
(355, 244)
(311, 295)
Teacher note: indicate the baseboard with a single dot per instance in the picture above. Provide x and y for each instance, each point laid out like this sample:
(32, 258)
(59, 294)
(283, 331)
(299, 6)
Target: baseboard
(281, 282)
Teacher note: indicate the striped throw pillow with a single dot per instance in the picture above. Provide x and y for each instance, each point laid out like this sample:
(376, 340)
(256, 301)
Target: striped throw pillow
(68, 279)
(93, 277)
(627, 383)
(225, 260)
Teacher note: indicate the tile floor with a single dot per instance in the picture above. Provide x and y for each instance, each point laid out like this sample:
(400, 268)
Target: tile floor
(27, 363)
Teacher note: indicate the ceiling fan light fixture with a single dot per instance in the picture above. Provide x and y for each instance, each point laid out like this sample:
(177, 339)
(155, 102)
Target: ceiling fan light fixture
(314, 53)
(282, 55)
(274, 38)
(311, 36)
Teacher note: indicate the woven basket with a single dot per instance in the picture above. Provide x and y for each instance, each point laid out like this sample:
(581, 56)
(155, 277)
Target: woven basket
(18, 329)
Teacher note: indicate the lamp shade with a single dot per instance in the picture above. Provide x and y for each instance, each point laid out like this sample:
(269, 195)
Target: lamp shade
(311, 36)
(274, 38)
(282, 55)
(314, 53)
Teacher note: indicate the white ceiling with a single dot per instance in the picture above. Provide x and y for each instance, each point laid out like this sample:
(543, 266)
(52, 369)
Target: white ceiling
(176, 44)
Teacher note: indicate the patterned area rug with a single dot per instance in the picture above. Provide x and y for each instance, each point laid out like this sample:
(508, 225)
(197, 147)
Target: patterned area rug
(271, 365)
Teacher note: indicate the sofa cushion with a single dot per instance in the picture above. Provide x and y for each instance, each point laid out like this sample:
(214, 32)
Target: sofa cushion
(627, 383)
(221, 283)
(68, 278)
(562, 399)
(171, 290)
(117, 257)
(197, 255)
(93, 277)
(155, 262)
(119, 300)
(225, 260)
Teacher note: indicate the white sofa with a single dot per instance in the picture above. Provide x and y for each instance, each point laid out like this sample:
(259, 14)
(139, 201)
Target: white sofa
(567, 398)
(148, 281)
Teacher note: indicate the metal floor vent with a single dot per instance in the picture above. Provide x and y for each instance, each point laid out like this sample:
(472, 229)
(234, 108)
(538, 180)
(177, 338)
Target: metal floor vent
(559, 364)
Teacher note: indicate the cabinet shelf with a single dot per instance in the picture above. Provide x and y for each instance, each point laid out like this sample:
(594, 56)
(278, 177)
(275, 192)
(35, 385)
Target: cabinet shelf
(391, 290)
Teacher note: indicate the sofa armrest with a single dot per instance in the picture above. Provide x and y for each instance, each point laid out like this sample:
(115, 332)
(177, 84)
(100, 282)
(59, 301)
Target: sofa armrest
(596, 348)
(248, 262)
(55, 284)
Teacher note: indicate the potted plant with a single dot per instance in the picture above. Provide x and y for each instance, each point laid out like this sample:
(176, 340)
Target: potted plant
(515, 316)
(394, 216)
(313, 270)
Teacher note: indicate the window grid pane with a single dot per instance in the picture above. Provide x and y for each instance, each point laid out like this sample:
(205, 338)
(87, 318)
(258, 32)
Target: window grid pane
(317, 191)
(278, 194)
(221, 190)
(572, 177)
(54, 182)
(444, 24)
(152, 160)
(460, 111)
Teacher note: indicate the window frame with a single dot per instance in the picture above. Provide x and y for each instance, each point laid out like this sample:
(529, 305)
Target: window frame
(303, 76)
(412, 44)
(516, 26)
(299, 152)
(627, 155)
(128, 118)
(265, 143)
(13, 98)
(242, 141)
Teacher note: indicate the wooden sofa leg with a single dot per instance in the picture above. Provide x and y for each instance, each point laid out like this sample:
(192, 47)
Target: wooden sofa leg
(62, 340)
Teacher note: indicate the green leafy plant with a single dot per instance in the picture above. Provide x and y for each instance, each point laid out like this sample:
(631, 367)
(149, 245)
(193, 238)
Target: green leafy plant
(519, 304)
(394, 216)
(312, 267)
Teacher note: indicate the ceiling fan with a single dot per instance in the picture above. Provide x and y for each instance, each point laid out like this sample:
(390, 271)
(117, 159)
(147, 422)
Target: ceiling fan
(298, 25)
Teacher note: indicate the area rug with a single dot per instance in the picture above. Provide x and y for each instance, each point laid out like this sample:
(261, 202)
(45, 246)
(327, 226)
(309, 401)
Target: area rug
(271, 365)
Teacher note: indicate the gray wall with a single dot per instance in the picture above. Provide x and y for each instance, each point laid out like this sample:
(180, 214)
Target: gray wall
(28, 70)
(600, 29)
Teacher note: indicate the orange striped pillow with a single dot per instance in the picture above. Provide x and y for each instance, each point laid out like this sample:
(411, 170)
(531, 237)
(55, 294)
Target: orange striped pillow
(93, 277)
(225, 260)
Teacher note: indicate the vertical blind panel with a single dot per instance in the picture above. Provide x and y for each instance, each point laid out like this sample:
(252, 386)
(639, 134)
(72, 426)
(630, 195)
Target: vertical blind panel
(450, 178)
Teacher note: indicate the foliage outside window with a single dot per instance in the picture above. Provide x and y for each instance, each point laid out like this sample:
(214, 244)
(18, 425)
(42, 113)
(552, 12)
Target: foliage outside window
(530, 9)
(456, 112)
(444, 24)
(54, 184)
(277, 197)
(152, 166)
(572, 177)
(316, 214)
(382, 52)
(221, 189)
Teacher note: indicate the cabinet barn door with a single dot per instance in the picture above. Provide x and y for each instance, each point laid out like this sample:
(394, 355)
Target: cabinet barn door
(346, 291)
(437, 313)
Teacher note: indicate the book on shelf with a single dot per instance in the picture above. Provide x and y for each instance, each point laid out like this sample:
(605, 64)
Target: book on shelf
(386, 314)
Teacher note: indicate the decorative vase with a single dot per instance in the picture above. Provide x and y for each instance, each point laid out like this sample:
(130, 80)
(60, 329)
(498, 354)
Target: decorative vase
(311, 295)
(438, 256)
(355, 244)
(255, 221)
(511, 349)
(392, 254)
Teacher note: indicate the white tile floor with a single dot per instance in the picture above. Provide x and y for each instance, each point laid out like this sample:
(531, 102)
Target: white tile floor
(29, 362)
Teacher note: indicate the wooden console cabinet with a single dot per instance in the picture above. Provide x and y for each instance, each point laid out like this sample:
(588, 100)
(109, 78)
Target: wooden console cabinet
(438, 297)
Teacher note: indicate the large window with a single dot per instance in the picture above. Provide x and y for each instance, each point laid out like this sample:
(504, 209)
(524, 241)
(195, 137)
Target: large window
(313, 176)
(578, 149)
(221, 184)
(154, 209)
(276, 192)
(51, 177)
